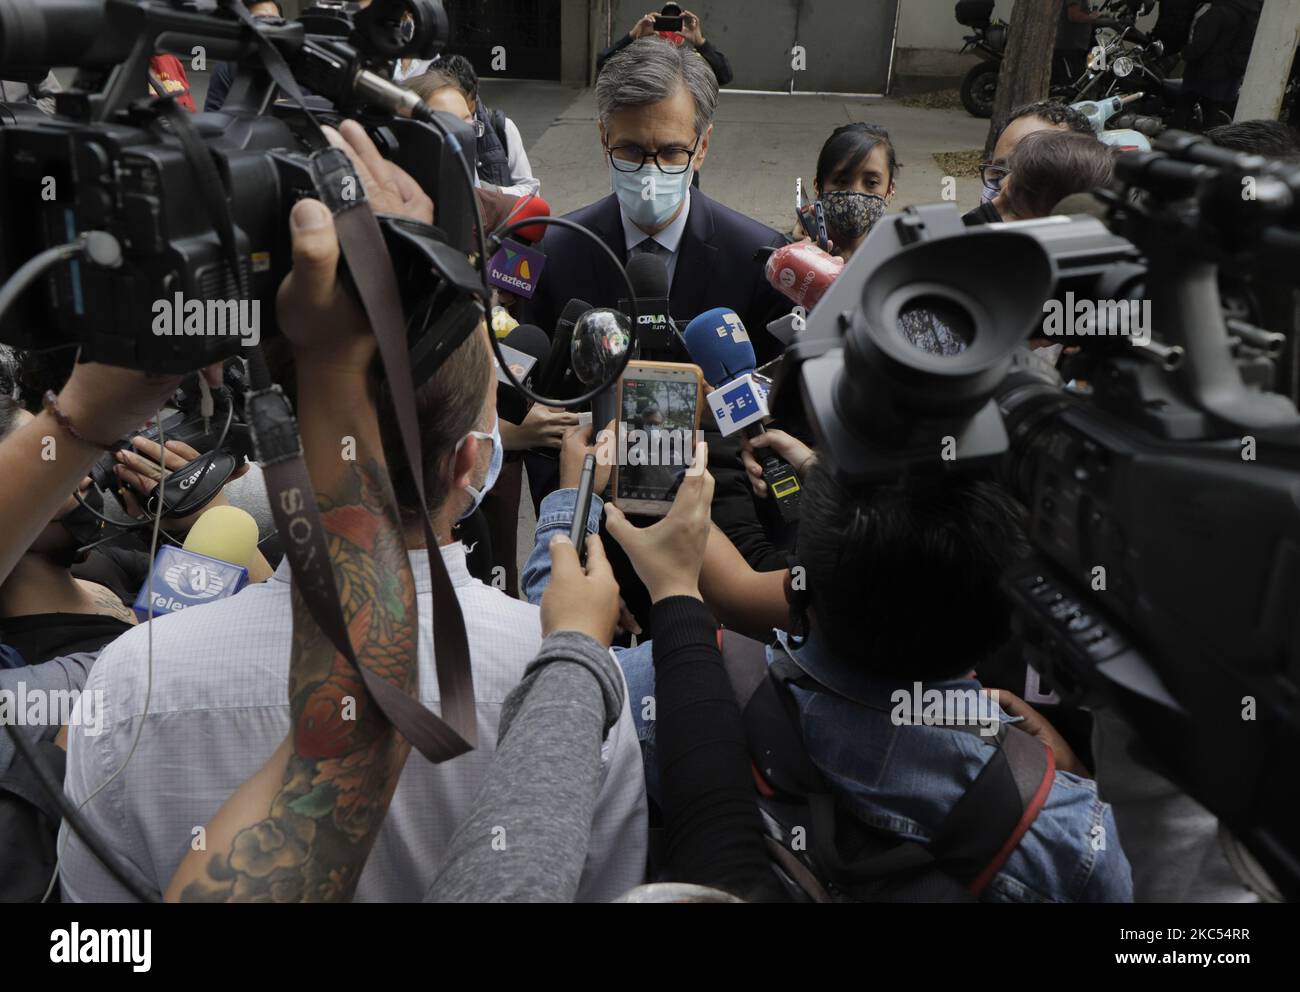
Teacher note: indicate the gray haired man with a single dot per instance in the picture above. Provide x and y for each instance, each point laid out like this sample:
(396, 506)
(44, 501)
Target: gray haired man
(655, 105)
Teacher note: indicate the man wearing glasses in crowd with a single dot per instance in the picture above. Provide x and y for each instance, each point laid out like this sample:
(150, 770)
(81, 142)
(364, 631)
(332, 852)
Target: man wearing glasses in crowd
(1048, 115)
(655, 105)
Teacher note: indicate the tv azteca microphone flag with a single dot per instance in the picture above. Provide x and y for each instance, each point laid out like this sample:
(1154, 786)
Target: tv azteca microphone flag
(516, 268)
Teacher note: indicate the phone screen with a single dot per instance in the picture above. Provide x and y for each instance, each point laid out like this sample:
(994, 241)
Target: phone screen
(659, 415)
(670, 23)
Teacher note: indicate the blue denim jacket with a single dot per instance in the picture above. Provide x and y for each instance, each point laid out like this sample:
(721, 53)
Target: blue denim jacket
(903, 779)
(554, 517)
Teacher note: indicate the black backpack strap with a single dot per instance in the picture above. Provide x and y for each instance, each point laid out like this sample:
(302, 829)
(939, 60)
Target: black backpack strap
(770, 719)
(997, 809)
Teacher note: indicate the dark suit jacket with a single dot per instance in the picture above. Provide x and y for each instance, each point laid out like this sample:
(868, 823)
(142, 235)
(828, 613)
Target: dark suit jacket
(715, 268)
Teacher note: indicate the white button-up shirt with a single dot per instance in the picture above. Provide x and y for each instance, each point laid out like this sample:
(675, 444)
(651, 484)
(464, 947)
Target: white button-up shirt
(219, 708)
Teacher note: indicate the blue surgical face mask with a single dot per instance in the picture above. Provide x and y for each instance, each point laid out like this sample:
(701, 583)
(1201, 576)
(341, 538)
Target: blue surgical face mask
(494, 466)
(649, 196)
(989, 191)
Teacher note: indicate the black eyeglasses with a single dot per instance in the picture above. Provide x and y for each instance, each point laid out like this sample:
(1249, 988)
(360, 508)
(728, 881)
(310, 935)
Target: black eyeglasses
(673, 160)
(992, 175)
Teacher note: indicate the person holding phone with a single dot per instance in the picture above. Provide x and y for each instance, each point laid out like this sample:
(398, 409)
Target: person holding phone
(678, 26)
(856, 179)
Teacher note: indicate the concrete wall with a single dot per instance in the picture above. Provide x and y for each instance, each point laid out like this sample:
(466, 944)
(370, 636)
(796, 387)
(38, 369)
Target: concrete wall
(848, 43)
(929, 37)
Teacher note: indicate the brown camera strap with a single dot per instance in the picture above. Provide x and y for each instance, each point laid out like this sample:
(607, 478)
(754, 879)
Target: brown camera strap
(293, 504)
(293, 499)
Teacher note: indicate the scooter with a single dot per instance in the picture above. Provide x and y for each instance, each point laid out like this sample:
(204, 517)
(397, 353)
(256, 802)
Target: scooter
(1099, 112)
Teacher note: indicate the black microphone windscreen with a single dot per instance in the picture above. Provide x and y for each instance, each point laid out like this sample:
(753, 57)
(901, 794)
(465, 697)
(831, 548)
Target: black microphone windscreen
(574, 309)
(549, 379)
(649, 276)
(530, 339)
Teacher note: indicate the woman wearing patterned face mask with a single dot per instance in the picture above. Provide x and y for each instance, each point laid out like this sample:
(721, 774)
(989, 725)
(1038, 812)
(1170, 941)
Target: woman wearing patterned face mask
(855, 182)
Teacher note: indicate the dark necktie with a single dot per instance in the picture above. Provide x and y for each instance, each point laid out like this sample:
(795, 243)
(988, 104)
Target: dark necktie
(651, 247)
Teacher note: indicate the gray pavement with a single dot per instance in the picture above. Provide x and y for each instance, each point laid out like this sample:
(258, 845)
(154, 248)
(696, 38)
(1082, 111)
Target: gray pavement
(760, 144)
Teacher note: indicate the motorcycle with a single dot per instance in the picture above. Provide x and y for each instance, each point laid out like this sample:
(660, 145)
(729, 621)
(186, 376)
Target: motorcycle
(1119, 52)
(989, 39)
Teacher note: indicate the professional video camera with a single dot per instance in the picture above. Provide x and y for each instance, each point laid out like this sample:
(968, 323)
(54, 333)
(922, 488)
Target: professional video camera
(1163, 484)
(167, 233)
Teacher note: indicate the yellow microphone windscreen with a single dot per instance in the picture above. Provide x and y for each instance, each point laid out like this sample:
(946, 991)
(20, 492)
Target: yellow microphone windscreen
(226, 533)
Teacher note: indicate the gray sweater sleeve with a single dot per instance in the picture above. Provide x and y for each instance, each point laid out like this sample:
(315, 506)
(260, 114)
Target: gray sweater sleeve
(64, 675)
(526, 839)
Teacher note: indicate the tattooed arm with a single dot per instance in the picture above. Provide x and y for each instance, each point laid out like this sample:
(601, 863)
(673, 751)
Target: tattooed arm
(301, 828)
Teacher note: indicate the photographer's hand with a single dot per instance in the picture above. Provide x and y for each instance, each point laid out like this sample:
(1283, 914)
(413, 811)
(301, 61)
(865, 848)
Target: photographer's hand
(1037, 725)
(585, 601)
(644, 27)
(389, 188)
(692, 30)
(542, 427)
(101, 402)
(576, 447)
(794, 451)
(669, 554)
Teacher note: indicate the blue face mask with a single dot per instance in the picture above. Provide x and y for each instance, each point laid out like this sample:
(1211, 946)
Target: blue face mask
(650, 196)
(494, 466)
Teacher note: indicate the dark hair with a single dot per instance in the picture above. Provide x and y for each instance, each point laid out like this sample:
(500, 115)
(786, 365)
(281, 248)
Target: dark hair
(903, 578)
(674, 12)
(463, 70)
(1047, 166)
(433, 79)
(447, 407)
(9, 408)
(848, 147)
(1261, 137)
(37, 371)
(1056, 114)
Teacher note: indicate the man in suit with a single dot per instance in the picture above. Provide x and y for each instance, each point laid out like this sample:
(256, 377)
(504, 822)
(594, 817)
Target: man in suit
(655, 103)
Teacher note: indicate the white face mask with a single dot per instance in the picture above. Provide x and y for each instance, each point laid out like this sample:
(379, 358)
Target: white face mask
(650, 196)
(494, 465)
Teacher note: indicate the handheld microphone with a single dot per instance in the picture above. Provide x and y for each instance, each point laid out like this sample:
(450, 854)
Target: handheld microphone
(550, 377)
(720, 346)
(528, 208)
(655, 330)
(523, 348)
(802, 272)
(212, 564)
(600, 339)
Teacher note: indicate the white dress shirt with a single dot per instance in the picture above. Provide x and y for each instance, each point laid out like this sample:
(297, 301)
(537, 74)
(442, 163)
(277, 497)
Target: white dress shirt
(219, 708)
(670, 237)
(418, 67)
